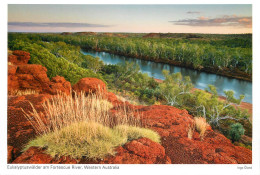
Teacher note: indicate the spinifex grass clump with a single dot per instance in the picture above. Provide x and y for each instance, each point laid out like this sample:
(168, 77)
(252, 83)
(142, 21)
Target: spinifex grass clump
(201, 126)
(82, 126)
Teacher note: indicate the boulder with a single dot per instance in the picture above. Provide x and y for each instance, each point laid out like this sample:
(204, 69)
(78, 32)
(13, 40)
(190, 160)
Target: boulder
(90, 85)
(140, 151)
(59, 84)
(34, 77)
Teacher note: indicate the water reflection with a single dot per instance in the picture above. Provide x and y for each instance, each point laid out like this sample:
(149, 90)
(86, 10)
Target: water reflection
(199, 79)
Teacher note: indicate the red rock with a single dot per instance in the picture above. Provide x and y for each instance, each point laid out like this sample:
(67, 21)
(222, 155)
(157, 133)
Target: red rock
(33, 69)
(20, 130)
(19, 57)
(90, 85)
(146, 148)
(12, 69)
(13, 83)
(12, 153)
(111, 97)
(59, 84)
(33, 155)
(172, 124)
(140, 151)
(34, 77)
(31, 76)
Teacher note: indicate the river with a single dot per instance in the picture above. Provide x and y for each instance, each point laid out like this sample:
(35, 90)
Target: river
(201, 80)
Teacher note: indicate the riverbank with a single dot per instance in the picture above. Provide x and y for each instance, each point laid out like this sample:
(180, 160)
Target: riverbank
(237, 74)
(243, 105)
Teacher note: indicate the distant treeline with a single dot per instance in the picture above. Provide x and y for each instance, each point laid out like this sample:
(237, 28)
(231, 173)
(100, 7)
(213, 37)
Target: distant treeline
(220, 52)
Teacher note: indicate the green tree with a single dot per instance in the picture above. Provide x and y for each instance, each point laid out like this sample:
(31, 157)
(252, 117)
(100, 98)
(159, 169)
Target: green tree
(236, 131)
(208, 105)
(175, 89)
(94, 64)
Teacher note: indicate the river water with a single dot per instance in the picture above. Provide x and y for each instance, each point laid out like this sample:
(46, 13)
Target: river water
(201, 80)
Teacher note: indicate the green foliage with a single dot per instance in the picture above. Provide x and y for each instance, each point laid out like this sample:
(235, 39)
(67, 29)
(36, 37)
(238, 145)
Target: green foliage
(215, 110)
(92, 63)
(233, 52)
(89, 139)
(175, 89)
(230, 97)
(236, 131)
(128, 77)
(60, 64)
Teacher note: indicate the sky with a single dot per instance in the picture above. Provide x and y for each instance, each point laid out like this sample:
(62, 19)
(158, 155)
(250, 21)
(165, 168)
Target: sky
(171, 18)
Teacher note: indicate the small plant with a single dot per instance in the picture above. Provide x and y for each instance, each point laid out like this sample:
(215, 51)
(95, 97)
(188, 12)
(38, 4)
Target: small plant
(236, 131)
(201, 126)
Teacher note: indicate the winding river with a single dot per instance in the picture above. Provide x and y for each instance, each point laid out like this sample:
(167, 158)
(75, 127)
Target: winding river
(199, 79)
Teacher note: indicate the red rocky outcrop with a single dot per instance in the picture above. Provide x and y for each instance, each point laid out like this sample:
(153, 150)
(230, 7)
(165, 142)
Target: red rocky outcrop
(90, 85)
(140, 151)
(172, 124)
(34, 77)
(59, 84)
(19, 57)
(19, 129)
(36, 155)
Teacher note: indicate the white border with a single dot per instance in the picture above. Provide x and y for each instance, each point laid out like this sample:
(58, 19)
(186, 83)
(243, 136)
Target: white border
(137, 169)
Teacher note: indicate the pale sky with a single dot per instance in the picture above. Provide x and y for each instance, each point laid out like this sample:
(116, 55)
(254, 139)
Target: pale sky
(131, 18)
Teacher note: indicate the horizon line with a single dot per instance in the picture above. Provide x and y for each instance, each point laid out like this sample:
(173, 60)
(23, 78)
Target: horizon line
(135, 32)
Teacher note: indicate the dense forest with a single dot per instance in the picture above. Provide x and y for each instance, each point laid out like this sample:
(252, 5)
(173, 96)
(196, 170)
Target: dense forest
(61, 55)
(229, 55)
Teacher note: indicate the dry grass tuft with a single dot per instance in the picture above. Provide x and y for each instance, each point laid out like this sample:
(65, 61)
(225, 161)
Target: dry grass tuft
(190, 131)
(201, 126)
(82, 125)
(23, 92)
(62, 110)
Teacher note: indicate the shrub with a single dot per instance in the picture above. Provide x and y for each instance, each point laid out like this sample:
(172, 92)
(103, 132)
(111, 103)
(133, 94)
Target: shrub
(201, 125)
(236, 131)
(82, 126)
